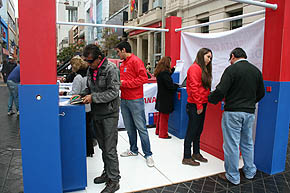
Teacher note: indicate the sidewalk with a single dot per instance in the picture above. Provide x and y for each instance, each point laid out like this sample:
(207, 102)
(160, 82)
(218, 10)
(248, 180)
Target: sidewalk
(10, 154)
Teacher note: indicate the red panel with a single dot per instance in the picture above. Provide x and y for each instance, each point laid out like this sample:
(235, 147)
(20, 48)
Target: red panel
(211, 139)
(37, 41)
(172, 38)
(276, 39)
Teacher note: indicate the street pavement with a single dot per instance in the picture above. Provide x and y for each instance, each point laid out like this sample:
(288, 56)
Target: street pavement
(10, 148)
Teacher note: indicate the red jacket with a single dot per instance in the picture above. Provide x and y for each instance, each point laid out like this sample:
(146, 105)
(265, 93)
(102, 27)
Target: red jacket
(196, 92)
(133, 76)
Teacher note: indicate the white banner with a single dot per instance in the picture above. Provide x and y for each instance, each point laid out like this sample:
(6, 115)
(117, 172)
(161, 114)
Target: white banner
(150, 93)
(250, 38)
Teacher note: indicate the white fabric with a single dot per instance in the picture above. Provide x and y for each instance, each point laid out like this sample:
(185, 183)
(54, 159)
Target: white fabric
(250, 38)
(150, 93)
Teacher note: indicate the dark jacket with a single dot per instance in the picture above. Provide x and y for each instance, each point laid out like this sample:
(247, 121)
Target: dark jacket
(165, 93)
(242, 86)
(104, 91)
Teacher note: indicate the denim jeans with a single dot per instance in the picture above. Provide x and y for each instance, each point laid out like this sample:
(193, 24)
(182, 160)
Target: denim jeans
(13, 95)
(237, 132)
(194, 129)
(133, 114)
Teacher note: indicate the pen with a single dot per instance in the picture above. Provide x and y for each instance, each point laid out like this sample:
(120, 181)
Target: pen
(75, 98)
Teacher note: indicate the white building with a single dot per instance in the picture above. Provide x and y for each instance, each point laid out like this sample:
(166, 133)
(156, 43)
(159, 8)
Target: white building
(68, 11)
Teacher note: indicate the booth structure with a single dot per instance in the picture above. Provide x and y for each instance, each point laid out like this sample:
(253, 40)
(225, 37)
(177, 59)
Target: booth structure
(39, 107)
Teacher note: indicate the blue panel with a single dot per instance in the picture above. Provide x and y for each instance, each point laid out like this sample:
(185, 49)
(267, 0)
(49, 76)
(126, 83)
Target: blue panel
(73, 147)
(272, 128)
(175, 77)
(40, 138)
(178, 119)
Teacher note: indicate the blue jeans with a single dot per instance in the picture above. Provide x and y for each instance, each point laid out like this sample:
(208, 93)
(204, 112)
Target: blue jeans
(133, 114)
(237, 132)
(13, 95)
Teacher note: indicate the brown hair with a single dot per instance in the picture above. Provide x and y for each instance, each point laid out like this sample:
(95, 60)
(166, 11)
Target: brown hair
(77, 63)
(162, 65)
(206, 76)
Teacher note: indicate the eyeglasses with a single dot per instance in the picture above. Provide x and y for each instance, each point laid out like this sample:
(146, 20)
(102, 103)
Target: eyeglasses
(90, 61)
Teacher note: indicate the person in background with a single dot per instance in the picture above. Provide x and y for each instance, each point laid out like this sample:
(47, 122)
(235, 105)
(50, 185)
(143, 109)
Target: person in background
(165, 93)
(133, 76)
(198, 85)
(13, 81)
(102, 92)
(79, 84)
(242, 86)
(8, 67)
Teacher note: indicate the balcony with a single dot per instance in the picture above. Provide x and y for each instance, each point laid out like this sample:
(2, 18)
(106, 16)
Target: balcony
(146, 19)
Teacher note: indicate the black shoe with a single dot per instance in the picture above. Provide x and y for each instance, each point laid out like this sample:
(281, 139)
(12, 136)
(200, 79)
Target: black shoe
(101, 179)
(111, 187)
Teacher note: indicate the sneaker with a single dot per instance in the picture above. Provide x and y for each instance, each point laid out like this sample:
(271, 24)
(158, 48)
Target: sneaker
(101, 179)
(128, 153)
(149, 161)
(111, 187)
(10, 113)
(190, 162)
(199, 157)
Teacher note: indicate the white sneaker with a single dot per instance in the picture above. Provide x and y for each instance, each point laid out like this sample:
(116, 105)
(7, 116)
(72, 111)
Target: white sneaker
(128, 153)
(149, 161)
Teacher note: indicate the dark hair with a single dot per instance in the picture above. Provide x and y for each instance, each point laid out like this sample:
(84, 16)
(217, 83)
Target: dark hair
(238, 53)
(163, 64)
(93, 50)
(206, 76)
(125, 45)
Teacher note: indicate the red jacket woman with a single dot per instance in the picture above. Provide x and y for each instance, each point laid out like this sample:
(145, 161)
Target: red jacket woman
(199, 77)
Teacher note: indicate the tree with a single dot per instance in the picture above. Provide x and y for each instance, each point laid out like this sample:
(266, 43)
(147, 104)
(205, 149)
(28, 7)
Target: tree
(110, 40)
(68, 52)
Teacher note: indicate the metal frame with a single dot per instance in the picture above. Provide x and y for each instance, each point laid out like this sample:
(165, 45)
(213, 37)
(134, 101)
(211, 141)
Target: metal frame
(112, 26)
(221, 20)
(258, 3)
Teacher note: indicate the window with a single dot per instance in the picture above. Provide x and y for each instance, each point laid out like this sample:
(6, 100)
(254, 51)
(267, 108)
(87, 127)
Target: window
(72, 14)
(204, 29)
(236, 23)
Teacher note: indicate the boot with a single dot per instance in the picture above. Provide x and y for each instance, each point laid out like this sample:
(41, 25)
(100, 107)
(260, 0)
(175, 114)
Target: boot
(111, 187)
(190, 162)
(199, 157)
(101, 179)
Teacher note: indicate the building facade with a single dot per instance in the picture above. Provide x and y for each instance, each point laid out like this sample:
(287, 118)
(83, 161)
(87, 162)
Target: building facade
(99, 12)
(9, 30)
(68, 11)
(149, 45)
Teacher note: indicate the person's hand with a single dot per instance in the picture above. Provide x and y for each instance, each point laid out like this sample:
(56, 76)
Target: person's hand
(63, 79)
(87, 99)
(121, 82)
(199, 111)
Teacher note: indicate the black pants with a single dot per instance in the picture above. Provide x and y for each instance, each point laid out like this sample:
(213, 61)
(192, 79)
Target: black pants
(194, 129)
(107, 137)
(89, 134)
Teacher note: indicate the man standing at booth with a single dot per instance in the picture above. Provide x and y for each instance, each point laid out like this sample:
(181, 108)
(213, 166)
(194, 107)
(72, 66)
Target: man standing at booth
(103, 84)
(133, 76)
(242, 87)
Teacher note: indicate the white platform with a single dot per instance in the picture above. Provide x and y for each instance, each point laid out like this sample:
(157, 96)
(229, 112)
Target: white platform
(168, 169)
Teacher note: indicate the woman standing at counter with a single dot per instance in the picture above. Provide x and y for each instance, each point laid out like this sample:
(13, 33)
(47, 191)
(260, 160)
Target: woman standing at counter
(164, 102)
(199, 77)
